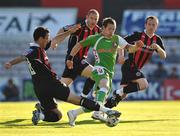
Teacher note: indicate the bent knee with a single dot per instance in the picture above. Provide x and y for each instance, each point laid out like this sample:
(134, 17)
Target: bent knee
(56, 115)
(59, 116)
(144, 85)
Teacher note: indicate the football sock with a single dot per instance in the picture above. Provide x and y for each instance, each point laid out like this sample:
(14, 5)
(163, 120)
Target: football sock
(115, 99)
(79, 111)
(89, 104)
(92, 105)
(132, 87)
(87, 87)
(101, 94)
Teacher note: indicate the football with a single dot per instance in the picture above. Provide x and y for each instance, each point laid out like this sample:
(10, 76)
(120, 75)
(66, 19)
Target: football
(112, 121)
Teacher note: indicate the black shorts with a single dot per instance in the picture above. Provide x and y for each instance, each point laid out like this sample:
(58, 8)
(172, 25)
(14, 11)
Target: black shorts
(78, 67)
(47, 90)
(130, 72)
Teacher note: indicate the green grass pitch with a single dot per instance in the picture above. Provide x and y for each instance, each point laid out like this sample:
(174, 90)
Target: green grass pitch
(143, 118)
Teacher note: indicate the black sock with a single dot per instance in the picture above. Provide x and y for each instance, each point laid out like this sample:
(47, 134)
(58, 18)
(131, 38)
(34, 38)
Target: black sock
(113, 101)
(88, 86)
(51, 116)
(131, 87)
(89, 104)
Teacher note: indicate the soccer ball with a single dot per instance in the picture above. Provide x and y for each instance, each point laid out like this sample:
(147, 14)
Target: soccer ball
(112, 121)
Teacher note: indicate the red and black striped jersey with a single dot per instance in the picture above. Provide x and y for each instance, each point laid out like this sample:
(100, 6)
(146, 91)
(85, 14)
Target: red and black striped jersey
(38, 63)
(142, 55)
(79, 35)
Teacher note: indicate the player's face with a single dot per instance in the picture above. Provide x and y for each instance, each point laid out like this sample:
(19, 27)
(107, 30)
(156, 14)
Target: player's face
(45, 40)
(92, 19)
(151, 26)
(109, 30)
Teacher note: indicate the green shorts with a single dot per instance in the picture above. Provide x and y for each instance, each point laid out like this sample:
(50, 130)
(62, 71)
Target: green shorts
(101, 73)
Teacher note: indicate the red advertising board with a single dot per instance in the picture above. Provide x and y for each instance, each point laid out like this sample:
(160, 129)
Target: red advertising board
(82, 5)
(172, 89)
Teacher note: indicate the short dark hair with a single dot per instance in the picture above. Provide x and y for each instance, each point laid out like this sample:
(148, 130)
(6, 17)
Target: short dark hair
(151, 17)
(40, 32)
(107, 21)
(93, 11)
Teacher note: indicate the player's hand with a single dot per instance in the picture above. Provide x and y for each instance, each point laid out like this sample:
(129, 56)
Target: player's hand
(74, 28)
(139, 44)
(121, 59)
(69, 64)
(154, 46)
(54, 45)
(7, 65)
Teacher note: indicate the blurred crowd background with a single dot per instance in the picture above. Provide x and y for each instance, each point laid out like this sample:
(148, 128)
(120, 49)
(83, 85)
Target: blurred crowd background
(18, 18)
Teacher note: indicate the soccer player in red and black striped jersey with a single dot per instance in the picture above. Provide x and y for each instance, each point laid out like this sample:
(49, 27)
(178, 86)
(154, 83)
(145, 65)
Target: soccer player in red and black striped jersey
(81, 66)
(46, 85)
(133, 79)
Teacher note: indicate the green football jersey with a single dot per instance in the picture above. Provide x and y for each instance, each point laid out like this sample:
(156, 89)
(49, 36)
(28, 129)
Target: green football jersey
(104, 49)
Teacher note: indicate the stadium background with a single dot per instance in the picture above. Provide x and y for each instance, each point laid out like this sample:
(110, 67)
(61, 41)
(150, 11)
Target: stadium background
(18, 19)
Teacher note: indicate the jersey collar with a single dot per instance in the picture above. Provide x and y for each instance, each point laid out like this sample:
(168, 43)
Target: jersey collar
(147, 34)
(34, 44)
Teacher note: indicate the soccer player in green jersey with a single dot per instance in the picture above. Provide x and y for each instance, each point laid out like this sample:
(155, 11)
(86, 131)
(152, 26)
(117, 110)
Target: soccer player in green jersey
(105, 46)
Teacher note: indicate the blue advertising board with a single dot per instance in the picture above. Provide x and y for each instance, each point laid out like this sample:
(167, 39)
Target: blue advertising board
(169, 21)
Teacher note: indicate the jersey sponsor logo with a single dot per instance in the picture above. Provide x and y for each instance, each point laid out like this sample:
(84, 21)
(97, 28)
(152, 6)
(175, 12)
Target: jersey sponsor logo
(108, 50)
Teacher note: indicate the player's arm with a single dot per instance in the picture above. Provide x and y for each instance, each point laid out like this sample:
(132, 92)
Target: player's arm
(62, 35)
(84, 43)
(133, 48)
(61, 31)
(15, 61)
(129, 47)
(121, 58)
(159, 50)
(74, 51)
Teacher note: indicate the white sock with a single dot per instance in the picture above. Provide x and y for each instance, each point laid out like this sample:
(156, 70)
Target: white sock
(103, 109)
(78, 111)
(119, 91)
(83, 95)
(41, 116)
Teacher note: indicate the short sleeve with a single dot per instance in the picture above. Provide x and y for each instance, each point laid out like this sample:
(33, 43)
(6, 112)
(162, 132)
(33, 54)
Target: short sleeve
(122, 42)
(160, 43)
(135, 36)
(90, 40)
(31, 53)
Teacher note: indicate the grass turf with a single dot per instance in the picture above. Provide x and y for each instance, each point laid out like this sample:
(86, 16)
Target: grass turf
(142, 118)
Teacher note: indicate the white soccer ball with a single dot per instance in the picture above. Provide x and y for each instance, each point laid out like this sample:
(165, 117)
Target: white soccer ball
(112, 121)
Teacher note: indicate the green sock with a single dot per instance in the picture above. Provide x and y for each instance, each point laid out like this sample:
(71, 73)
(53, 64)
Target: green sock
(86, 110)
(101, 96)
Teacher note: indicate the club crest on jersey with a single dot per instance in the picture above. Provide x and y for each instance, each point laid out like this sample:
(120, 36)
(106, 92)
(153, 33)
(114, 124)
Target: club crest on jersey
(138, 74)
(83, 61)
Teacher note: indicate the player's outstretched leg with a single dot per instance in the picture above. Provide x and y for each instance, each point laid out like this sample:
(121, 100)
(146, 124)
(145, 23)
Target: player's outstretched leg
(72, 117)
(89, 83)
(114, 100)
